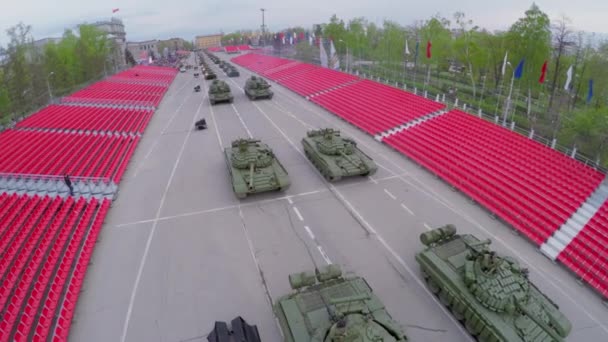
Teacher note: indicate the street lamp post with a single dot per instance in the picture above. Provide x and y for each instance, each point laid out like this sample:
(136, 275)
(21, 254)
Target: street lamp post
(263, 27)
(48, 85)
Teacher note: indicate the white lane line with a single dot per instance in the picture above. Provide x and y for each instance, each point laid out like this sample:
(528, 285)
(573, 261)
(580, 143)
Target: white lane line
(298, 213)
(407, 209)
(427, 226)
(373, 232)
(153, 230)
(324, 255)
(436, 197)
(207, 211)
(156, 141)
(289, 200)
(373, 180)
(241, 119)
(390, 194)
(312, 236)
(217, 131)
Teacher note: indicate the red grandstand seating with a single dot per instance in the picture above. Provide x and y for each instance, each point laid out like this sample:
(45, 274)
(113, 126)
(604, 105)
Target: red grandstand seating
(317, 80)
(514, 177)
(46, 246)
(260, 63)
(231, 49)
(89, 118)
(48, 153)
(375, 107)
(587, 254)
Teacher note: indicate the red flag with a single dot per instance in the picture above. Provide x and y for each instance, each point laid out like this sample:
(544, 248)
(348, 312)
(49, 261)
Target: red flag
(543, 73)
(114, 10)
(428, 49)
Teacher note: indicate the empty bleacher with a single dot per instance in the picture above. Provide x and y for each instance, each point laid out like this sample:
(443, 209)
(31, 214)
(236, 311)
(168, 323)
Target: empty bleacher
(514, 177)
(82, 118)
(117, 98)
(45, 246)
(49, 153)
(375, 107)
(46, 236)
(260, 63)
(317, 80)
(587, 254)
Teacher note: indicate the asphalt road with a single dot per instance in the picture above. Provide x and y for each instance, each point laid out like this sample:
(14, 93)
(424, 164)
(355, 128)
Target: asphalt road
(179, 251)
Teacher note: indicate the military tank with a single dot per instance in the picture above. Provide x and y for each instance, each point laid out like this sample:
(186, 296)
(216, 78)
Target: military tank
(326, 306)
(219, 91)
(209, 74)
(254, 168)
(336, 156)
(491, 294)
(257, 88)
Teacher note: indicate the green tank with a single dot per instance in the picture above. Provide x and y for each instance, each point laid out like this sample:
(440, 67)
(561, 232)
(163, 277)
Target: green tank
(257, 88)
(254, 168)
(326, 306)
(219, 91)
(491, 294)
(336, 156)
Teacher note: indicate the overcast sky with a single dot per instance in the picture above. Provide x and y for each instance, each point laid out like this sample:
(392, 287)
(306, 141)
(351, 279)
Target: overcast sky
(161, 19)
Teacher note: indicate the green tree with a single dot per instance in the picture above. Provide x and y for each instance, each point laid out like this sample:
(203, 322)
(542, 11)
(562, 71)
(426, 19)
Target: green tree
(588, 130)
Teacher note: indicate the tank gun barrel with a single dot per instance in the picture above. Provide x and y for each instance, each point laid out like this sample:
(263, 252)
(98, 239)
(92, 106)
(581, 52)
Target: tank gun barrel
(549, 330)
(350, 160)
(251, 168)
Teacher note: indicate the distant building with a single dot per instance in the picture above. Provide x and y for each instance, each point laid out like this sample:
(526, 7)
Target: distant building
(142, 50)
(212, 40)
(172, 44)
(116, 33)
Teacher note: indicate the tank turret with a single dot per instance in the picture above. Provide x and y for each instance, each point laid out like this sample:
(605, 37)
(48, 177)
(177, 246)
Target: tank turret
(254, 168)
(490, 293)
(336, 156)
(219, 91)
(328, 306)
(257, 88)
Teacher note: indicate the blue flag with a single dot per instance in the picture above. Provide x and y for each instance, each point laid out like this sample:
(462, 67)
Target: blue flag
(520, 69)
(590, 93)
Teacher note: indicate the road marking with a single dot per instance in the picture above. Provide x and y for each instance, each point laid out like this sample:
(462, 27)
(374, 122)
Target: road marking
(217, 131)
(241, 119)
(312, 236)
(207, 211)
(324, 255)
(408, 209)
(153, 229)
(289, 200)
(390, 194)
(298, 213)
(438, 198)
(427, 226)
(173, 116)
(373, 180)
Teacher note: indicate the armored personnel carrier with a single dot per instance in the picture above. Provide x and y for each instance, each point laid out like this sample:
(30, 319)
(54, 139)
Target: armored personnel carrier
(490, 294)
(219, 91)
(336, 156)
(326, 306)
(257, 88)
(254, 168)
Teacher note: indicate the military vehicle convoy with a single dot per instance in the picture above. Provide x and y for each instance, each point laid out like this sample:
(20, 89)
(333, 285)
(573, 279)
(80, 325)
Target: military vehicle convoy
(327, 306)
(219, 91)
(257, 88)
(231, 71)
(254, 168)
(336, 156)
(490, 294)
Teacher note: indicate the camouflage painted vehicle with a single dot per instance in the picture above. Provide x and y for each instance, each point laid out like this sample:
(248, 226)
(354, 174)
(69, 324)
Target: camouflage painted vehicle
(336, 156)
(219, 91)
(240, 332)
(326, 306)
(491, 294)
(257, 88)
(254, 168)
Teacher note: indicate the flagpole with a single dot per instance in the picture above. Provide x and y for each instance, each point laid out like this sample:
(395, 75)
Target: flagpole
(508, 105)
